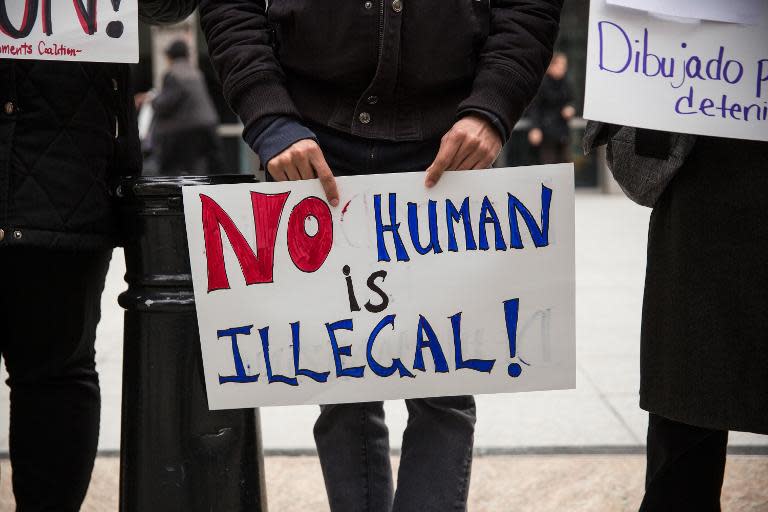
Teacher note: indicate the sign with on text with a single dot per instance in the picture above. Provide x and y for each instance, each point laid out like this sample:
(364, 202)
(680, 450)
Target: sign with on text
(400, 292)
(689, 75)
(70, 30)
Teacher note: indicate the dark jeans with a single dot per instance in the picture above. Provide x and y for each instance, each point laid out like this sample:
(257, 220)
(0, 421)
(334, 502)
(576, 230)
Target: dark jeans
(352, 439)
(49, 309)
(685, 467)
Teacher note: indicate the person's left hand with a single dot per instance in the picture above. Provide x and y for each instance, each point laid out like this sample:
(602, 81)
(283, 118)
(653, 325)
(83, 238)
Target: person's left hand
(472, 143)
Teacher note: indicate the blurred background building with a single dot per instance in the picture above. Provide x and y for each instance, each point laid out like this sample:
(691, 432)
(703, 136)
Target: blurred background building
(236, 157)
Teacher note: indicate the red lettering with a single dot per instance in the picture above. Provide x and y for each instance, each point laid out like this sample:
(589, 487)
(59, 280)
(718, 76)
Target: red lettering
(309, 252)
(87, 16)
(27, 20)
(256, 268)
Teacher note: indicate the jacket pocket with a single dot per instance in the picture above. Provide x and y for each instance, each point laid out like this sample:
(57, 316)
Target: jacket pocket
(336, 41)
(442, 41)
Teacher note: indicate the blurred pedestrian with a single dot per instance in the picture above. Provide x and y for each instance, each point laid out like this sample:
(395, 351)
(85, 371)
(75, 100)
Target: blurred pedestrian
(343, 88)
(550, 114)
(185, 122)
(704, 341)
(67, 133)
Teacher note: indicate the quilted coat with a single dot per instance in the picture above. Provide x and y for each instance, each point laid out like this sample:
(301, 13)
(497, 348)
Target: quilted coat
(67, 133)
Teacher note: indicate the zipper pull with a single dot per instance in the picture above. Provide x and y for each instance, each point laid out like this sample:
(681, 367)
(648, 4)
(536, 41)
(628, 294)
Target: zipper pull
(117, 121)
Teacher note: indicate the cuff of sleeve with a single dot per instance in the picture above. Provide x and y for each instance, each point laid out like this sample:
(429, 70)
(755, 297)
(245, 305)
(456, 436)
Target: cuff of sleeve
(279, 134)
(500, 94)
(492, 118)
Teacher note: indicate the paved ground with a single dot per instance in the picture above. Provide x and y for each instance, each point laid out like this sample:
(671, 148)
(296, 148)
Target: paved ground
(576, 483)
(600, 414)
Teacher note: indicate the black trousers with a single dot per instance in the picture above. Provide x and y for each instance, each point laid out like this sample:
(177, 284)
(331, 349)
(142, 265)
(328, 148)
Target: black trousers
(685, 467)
(49, 309)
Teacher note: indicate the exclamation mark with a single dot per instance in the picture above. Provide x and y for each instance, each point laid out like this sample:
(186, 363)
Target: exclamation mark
(115, 28)
(511, 313)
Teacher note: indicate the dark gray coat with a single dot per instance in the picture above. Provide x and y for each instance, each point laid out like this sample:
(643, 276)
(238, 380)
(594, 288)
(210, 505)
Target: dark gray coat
(183, 103)
(704, 342)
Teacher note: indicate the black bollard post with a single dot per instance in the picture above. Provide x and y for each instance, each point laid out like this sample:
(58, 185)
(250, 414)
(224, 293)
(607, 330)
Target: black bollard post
(175, 453)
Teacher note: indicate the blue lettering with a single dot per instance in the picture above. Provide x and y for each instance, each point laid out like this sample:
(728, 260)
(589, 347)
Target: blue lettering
(355, 372)
(393, 227)
(689, 98)
(762, 76)
(378, 369)
(454, 215)
(413, 227)
(295, 335)
(271, 378)
(539, 235)
(603, 67)
(240, 375)
(479, 365)
(431, 342)
(488, 216)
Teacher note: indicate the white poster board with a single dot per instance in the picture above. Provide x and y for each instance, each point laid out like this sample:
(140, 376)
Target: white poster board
(400, 292)
(703, 78)
(70, 30)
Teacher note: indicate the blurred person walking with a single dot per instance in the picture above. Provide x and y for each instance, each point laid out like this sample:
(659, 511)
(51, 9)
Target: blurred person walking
(703, 347)
(343, 88)
(67, 133)
(550, 113)
(184, 132)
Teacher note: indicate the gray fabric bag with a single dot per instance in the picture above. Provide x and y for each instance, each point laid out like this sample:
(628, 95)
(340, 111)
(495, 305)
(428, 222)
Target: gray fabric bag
(642, 175)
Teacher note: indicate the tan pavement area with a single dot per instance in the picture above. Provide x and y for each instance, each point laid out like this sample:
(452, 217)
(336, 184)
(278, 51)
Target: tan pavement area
(519, 483)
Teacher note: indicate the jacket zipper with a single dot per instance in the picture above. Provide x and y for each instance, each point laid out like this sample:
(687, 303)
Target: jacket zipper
(381, 28)
(117, 97)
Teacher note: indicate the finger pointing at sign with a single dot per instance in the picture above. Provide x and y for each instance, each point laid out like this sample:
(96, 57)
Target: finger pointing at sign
(303, 161)
(472, 143)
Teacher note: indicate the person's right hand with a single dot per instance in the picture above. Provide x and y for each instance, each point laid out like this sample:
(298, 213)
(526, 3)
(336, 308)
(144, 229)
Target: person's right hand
(303, 161)
(535, 136)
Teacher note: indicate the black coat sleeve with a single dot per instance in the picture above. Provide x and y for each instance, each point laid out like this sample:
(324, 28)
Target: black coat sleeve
(240, 46)
(160, 12)
(515, 57)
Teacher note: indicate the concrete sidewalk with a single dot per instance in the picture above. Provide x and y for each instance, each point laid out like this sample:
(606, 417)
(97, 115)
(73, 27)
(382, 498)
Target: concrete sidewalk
(580, 483)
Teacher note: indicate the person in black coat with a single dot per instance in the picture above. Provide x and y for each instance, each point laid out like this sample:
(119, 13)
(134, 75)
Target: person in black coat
(334, 88)
(185, 119)
(704, 338)
(550, 112)
(703, 346)
(67, 133)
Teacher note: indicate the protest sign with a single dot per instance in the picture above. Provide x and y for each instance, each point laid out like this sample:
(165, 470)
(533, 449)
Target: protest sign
(400, 292)
(705, 78)
(77, 30)
(737, 11)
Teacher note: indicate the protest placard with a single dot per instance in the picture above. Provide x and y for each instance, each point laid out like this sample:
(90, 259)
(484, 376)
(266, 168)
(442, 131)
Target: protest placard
(400, 292)
(704, 78)
(77, 30)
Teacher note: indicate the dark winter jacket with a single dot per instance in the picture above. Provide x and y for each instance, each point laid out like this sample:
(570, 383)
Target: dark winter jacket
(546, 110)
(67, 132)
(183, 103)
(383, 69)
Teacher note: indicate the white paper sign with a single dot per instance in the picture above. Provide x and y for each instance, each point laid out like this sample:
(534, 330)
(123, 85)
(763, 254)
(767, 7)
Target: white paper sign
(748, 12)
(71, 30)
(705, 79)
(400, 292)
